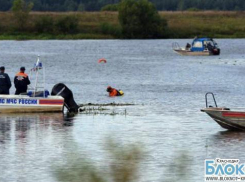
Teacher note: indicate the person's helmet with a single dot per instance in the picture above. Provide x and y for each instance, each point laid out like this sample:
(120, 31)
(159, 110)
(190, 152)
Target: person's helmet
(22, 68)
(108, 89)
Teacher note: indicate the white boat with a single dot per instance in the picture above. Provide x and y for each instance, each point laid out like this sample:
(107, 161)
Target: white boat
(37, 98)
(199, 47)
(225, 117)
(25, 103)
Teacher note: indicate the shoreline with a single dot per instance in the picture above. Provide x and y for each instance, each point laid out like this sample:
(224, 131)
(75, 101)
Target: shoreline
(105, 25)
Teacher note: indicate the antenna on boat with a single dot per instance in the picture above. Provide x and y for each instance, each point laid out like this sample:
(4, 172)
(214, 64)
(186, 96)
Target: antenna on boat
(36, 69)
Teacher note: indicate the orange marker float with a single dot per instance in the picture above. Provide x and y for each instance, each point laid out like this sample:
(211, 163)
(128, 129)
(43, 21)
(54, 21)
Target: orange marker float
(102, 60)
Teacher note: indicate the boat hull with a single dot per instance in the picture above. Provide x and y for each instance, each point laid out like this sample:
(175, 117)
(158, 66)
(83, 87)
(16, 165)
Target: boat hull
(191, 53)
(26, 104)
(231, 120)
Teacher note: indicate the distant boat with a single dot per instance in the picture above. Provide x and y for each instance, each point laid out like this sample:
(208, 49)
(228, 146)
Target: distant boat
(225, 117)
(199, 47)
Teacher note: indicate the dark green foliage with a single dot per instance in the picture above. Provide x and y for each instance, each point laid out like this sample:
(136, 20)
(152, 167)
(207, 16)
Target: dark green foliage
(44, 24)
(81, 7)
(180, 25)
(193, 9)
(123, 166)
(109, 29)
(5, 5)
(1, 28)
(96, 5)
(67, 25)
(71, 5)
(140, 19)
(21, 10)
(110, 7)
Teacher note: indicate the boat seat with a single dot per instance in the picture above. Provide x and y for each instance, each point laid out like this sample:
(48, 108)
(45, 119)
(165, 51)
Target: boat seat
(38, 93)
(24, 93)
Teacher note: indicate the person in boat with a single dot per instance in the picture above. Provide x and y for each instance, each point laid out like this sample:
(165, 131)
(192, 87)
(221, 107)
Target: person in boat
(188, 46)
(114, 92)
(21, 81)
(209, 46)
(5, 83)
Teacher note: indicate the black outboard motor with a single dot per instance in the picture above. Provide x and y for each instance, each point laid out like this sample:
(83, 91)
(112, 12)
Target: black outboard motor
(216, 51)
(213, 49)
(62, 90)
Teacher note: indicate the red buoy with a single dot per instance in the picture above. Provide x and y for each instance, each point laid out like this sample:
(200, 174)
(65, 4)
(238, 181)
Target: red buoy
(102, 60)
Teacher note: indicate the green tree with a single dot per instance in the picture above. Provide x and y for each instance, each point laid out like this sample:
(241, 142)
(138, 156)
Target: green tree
(44, 24)
(140, 19)
(110, 7)
(70, 5)
(5, 5)
(21, 10)
(81, 7)
(95, 5)
(67, 25)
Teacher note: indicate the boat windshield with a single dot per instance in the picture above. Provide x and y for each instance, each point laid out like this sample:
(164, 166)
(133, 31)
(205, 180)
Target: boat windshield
(197, 44)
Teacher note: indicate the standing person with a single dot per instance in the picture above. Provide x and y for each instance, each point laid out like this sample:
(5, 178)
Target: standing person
(21, 81)
(5, 82)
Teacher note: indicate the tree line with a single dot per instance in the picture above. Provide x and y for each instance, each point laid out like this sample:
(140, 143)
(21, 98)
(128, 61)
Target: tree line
(161, 5)
(137, 19)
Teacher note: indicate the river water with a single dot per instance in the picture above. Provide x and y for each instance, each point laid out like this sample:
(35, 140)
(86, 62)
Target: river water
(167, 90)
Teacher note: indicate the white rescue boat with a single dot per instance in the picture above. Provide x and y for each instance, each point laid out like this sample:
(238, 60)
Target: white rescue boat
(37, 98)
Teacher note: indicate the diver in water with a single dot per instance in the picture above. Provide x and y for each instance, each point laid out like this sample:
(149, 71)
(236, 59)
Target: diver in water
(114, 92)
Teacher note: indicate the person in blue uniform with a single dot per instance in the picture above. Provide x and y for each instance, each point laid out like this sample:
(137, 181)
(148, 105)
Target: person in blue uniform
(5, 83)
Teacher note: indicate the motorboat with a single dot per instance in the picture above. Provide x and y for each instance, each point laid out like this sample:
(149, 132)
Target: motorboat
(25, 103)
(199, 47)
(225, 117)
(38, 99)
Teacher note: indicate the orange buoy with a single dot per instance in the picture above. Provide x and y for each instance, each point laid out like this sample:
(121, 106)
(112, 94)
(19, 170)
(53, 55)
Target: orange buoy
(102, 60)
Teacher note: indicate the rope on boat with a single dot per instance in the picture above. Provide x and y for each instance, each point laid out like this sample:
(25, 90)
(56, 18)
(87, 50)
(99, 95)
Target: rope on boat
(60, 91)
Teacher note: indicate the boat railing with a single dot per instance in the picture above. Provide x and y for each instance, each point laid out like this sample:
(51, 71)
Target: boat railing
(206, 99)
(175, 46)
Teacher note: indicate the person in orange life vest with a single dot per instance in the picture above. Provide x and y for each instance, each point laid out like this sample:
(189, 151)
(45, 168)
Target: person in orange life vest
(21, 81)
(114, 92)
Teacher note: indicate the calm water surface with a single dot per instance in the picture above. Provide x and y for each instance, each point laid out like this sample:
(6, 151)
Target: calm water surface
(168, 90)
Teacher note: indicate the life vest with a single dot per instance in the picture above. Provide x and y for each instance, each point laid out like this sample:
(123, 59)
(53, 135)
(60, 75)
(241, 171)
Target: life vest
(21, 81)
(113, 92)
(21, 76)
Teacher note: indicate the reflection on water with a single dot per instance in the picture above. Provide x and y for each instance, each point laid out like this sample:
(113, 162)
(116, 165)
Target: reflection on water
(227, 144)
(20, 124)
(28, 141)
(230, 136)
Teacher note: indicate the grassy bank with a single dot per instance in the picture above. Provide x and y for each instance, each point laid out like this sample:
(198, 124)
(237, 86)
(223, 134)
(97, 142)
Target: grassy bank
(105, 25)
(208, 23)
